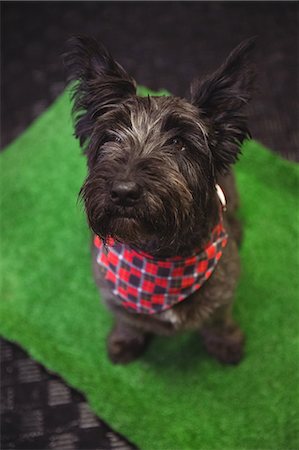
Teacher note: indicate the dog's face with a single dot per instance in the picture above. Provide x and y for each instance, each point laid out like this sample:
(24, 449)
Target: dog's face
(153, 161)
(149, 171)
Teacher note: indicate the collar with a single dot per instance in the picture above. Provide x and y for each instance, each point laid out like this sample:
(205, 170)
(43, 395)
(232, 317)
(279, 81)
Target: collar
(144, 284)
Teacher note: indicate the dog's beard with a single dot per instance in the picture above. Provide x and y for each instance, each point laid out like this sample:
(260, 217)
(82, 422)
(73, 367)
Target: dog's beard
(156, 224)
(140, 229)
(128, 230)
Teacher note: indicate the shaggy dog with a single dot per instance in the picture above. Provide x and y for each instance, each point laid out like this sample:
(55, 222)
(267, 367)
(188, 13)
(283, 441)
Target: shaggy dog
(161, 200)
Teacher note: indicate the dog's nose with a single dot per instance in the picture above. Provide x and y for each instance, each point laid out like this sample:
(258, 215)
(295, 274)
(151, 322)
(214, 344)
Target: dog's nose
(125, 193)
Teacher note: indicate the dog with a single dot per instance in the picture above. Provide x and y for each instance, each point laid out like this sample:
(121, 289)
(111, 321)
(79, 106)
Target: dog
(161, 200)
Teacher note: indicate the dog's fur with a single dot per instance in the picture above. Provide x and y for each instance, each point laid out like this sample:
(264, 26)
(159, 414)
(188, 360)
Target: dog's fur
(172, 152)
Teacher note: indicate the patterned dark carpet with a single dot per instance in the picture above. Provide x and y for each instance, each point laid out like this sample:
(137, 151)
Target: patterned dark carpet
(40, 411)
(162, 45)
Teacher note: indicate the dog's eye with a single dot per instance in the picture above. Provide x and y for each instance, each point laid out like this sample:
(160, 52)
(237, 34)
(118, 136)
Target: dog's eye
(177, 142)
(111, 137)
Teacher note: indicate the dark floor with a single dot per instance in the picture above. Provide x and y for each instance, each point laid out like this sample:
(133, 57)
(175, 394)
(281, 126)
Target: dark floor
(162, 44)
(39, 411)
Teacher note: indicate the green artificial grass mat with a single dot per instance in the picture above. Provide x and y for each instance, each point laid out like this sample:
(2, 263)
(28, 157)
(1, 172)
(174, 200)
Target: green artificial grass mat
(175, 397)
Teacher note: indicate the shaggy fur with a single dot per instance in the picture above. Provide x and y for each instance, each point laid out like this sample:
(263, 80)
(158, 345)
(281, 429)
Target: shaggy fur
(152, 168)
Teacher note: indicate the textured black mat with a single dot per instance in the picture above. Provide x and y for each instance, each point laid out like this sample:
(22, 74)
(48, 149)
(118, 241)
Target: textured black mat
(40, 411)
(162, 45)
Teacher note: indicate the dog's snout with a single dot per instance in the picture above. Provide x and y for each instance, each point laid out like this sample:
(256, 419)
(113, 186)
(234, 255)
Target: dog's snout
(125, 193)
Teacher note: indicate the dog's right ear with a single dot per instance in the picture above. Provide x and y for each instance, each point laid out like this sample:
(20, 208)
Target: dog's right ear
(100, 83)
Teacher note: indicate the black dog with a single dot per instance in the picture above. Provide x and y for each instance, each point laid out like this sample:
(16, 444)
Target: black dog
(165, 254)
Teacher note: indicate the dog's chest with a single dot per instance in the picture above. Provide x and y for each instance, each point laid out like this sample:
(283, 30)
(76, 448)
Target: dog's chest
(170, 316)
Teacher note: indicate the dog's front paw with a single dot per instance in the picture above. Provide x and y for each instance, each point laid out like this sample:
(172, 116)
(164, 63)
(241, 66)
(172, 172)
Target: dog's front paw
(125, 345)
(226, 345)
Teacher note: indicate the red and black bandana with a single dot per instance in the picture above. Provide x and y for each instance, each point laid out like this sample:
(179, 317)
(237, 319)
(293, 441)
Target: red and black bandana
(144, 284)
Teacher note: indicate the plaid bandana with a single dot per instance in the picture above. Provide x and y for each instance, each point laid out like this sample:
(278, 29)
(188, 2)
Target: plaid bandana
(144, 284)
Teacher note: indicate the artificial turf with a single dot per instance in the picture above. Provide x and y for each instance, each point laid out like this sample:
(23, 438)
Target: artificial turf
(175, 397)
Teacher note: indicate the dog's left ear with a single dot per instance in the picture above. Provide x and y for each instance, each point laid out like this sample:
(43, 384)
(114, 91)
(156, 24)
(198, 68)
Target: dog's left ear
(220, 98)
(100, 83)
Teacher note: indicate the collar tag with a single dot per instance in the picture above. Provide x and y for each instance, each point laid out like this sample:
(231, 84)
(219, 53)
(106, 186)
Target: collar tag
(221, 196)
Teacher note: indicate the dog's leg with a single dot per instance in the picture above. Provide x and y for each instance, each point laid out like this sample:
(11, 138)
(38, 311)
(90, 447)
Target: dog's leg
(126, 343)
(223, 338)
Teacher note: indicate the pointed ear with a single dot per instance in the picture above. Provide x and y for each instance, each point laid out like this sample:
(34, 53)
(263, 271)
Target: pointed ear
(220, 98)
(100, 83)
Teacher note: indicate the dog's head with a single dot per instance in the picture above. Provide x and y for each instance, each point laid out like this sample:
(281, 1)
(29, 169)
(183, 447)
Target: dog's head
(152, 162)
